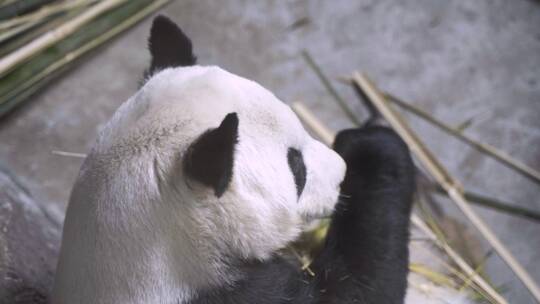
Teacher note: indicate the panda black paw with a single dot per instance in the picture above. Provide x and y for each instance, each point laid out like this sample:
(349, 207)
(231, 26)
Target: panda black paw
(374, 154)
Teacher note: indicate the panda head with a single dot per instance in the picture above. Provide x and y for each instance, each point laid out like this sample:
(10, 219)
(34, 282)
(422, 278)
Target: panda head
(216, 160)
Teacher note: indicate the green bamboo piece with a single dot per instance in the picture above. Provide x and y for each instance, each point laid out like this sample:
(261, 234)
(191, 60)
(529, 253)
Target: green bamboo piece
(125, 16)
(11, 82)
(12, 32)
(38, 30)
(43, 13)
(20, 7)
(38, 45)
(6, 2)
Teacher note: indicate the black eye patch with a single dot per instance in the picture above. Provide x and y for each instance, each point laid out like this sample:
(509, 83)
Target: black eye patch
(298, 168)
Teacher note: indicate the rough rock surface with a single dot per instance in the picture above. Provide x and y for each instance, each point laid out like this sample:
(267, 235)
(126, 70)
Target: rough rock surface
(29, 243)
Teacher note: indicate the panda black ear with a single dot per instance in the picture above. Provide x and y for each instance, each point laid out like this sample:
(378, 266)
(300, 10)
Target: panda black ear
(210, 158)
(169, 46)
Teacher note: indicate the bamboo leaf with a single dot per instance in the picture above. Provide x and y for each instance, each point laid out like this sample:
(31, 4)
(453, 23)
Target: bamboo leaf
(432, 275)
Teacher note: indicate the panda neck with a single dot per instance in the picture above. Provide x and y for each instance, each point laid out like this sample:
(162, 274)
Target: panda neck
(136, 262)
(177, 270)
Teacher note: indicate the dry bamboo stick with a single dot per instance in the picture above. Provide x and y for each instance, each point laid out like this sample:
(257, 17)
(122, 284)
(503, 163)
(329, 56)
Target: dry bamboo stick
(49, 38)
(318, 71)
(69, 154)
(470, 274)
(489, 150)
(472, 197)
(313, 123)
(444, 179)
(327, 136)
(494, 204)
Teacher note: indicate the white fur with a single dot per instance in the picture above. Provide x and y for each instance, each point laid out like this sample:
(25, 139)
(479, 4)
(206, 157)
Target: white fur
(137, 231)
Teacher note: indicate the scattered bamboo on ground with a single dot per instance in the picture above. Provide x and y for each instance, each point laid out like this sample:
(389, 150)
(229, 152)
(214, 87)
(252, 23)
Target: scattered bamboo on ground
(43, 13)
(457, 132)
(488, 150)
(40, 70)
(327, 136)
(439, 173)
(18, 40)
(12, 60)
(12, 9)
(475, 198)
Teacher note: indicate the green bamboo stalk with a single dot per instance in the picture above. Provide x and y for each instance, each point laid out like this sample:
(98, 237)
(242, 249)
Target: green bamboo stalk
(132, 12)
(44, 13)
(10, 83)
(6, 2)
(26, 52)
(12, 32)
(41, 28)
(20, 7)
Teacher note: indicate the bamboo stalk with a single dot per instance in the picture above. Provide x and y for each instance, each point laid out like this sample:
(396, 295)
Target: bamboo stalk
(472, 197)
(5, 35)
(15, 8)
(313, 123)
(15, 82)
(488, 202)
(327, 136)
(318, 71)
(432, 275)
(3, 3)
(10, 61)
(22, 91)
(446, 181)
(470, 273)
(38, 30)
(489, 150)
(69, 154)
(43, 13)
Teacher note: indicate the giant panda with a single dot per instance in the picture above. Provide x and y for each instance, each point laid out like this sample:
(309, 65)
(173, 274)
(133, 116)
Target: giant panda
(202, 177)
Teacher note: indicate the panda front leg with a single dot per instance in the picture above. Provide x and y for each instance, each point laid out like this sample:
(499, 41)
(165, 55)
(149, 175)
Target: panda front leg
(365, 258)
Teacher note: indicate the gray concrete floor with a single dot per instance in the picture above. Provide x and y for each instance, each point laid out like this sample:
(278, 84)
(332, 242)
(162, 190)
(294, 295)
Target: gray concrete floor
(456, 59)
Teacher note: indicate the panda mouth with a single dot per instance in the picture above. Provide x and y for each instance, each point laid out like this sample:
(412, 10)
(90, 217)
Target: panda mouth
(325, 212)
(317, 216)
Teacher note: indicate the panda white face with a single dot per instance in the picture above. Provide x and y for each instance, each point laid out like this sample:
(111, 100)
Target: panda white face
(279, 175)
